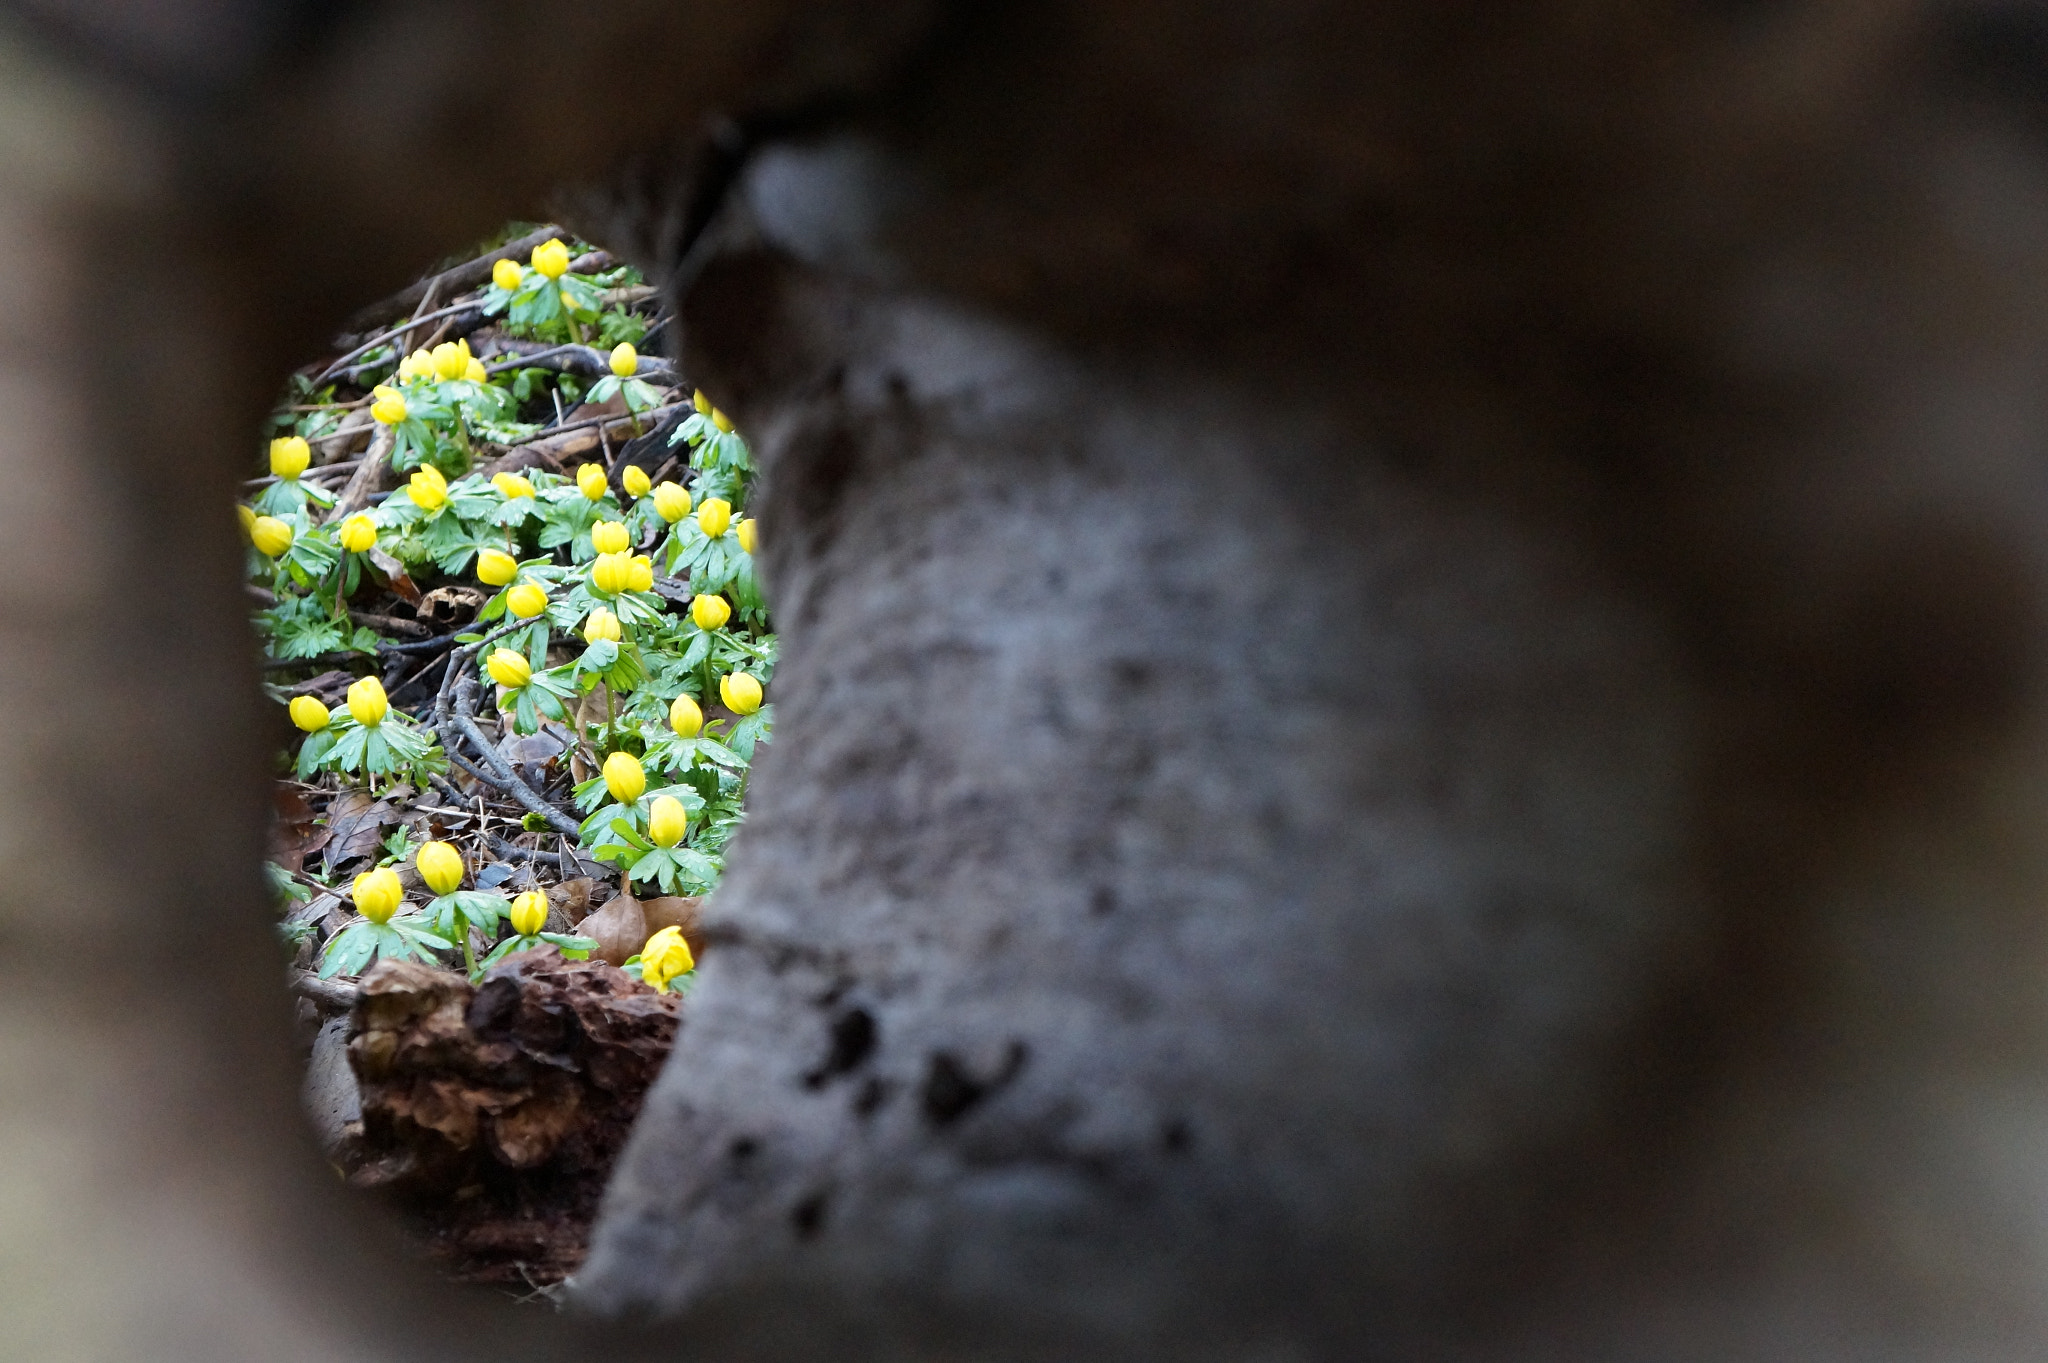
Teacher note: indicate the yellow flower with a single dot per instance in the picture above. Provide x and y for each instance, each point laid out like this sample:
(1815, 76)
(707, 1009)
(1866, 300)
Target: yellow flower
(590, 481)
(270, 535)
(440, 866)
(610, 573)
(635, 481)
(418, 365)
(666, 820)
(624, 777)
(640, 574)
(507, 275)
(672, 502)
(451, 359)
(625, 360)
(495, 567)
(526, 600)
(700, 402)
(358, 534)
(476, 373)
(289, 457)
(512, 485)
(427, 488)
(609, 537)
(709, 611)
(740, 692)
(713, 516)
(529, 912)
(551, 258)
(745, 531)
(686, 717)
(665, 956)
(721, 421)
(248, 515)
(378, 894)
(368, 703)
(508, 669)
(568, 301)
(309, 714)
(602, 624)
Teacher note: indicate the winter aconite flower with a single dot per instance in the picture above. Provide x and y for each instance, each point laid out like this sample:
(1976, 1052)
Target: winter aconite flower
(710, 611)
(635, 481)
(418, 365)
(289, 457)
(611, 572)
(700, 402)
(740, 692)
(427, 488)
(625, 360)
(440, 866)
(451, 359)
(665, 956)
(551, 258)
(640, 574)
(624, 777)
(509, 669)
(601, 625)
(610, 537)
(309, 714)
(495, 567)
(529, 912)
(475, 372)
(686, 717)
(368, 703)
(248, 517)
(270, 535)
(590, 481)
(358, 534)
(378, 894)
(512, 484)
(745, 533)
(526, 600)
(672, 502)
(721, 421)
(507, 275)
(389, 408)
(714, 516)
(666, 820)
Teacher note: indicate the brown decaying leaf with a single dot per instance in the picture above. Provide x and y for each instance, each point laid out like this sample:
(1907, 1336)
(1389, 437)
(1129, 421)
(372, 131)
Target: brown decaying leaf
(620, 929)
(675, 911)
(356, 824)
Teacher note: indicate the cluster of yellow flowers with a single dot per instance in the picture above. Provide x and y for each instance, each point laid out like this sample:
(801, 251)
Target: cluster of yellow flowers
(449, 360)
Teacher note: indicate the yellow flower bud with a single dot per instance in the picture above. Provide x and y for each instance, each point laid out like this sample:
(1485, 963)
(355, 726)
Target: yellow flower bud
(507, 275)
(745, 531)
(624, 777)
(476, 373)
(666, 821)
(665, 956)
(551, 258)
(602, 624)
(509, 669)
(609, 537)
(309, 714)
(512, 485)
(625, 360)
(378, 894)
(529, 912)
(440, 866)
(700, 402)
(495, 567)
(714, 516)
(590, 481)
(609, 573)
(721, 420)
(568, 301)
(358, 534)
(740, 692)
(427, 488)
(686, 717)
(526, 600)
(640, 574)
(368, 703)
(270, 535)
(635, 481)
(247, 515)
(672, 502)
(289, 457)
(451, 359)
(418, 365)
(710, 611)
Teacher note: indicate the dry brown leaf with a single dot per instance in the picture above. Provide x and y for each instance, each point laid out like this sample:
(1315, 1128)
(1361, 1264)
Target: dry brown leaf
(620, 929)
(675, 911)
(356, 825)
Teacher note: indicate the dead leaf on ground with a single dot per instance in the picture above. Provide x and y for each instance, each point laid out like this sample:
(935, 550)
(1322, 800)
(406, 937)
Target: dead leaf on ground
(675, 911)
(619, 928)
(571, 899)
(356, 825)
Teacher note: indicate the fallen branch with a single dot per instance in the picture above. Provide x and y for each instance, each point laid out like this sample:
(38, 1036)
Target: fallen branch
(326, 995)
(455, 717)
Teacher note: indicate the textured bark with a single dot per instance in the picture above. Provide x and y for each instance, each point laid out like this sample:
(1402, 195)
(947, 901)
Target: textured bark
(1411, 713)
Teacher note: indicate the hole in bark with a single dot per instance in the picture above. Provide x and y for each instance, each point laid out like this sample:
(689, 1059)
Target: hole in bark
(952, 1088)
(743, 1150)
(808, 1217)
(868, 1099)
(853, 1037)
